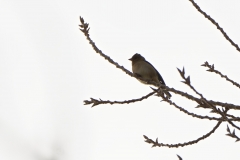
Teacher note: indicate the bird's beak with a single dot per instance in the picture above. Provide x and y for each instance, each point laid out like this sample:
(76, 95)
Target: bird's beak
(130, 59)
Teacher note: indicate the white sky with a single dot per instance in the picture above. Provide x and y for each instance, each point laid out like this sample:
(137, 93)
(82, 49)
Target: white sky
(47, 69)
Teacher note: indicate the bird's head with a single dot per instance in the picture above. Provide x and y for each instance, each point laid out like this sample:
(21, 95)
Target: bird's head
(136, 57)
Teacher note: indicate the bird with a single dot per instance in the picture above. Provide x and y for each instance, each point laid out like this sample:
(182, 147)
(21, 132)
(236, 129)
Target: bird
(145, 70)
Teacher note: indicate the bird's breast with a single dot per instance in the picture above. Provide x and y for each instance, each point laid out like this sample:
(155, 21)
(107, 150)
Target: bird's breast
(143, 69)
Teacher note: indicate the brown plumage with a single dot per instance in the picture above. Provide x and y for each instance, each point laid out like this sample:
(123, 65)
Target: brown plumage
(145, 70)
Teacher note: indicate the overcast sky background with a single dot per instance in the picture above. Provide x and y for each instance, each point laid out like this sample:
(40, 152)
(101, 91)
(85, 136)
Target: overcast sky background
(47, 70)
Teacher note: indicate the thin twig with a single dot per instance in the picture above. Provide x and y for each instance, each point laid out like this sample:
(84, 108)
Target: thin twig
(96, 102)
(215, 23)
(84, 27)
(234, 125)
(157, 144)
(199, 101)
(191, 114)
(212, 69)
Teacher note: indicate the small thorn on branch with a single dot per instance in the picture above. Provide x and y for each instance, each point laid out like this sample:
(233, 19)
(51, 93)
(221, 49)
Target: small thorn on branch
(180, 158)
(232, 134)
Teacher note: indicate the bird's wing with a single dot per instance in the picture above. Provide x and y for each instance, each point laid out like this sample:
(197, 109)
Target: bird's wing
(159, 76)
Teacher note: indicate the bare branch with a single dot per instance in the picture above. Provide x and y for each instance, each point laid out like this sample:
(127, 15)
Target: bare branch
(235, 126)
(96, 102)
(84, 28)
(211, 69)
(225, 105)
(190, 97)
(199, 116)
(192, 114)
(234, 117)
(215, 23)
(206, 102)
(157, 144)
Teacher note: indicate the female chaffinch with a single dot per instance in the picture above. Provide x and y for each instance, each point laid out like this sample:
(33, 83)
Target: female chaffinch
(145, 70)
